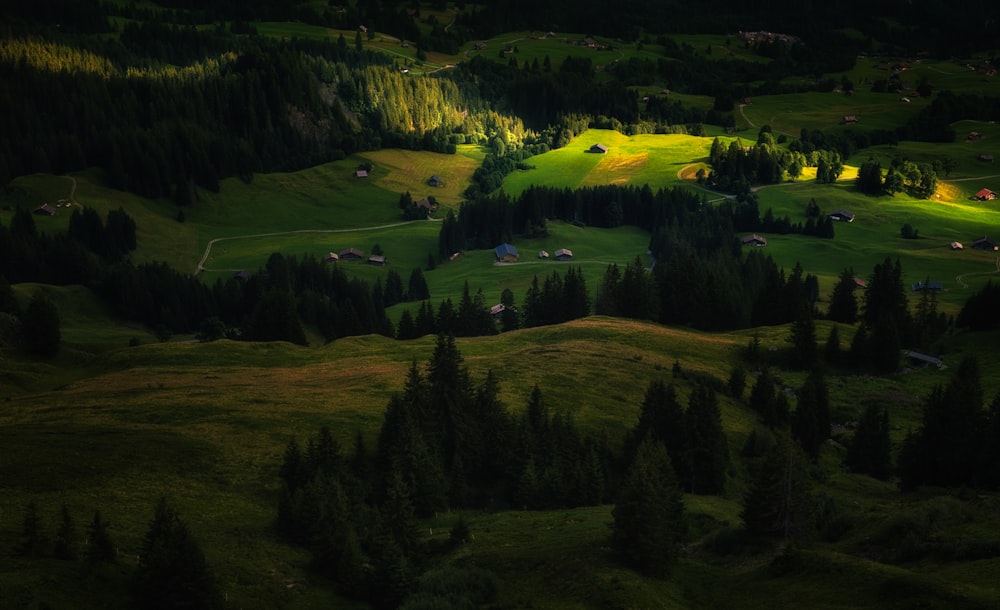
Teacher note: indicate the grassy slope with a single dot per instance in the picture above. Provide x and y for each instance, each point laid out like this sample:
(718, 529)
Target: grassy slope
(205, 425)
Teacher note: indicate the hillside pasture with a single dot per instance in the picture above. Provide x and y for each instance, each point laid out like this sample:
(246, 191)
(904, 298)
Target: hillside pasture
(790, 113)
(636, 160)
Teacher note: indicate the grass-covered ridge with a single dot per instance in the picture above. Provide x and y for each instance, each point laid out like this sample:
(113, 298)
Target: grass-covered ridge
(206, 424)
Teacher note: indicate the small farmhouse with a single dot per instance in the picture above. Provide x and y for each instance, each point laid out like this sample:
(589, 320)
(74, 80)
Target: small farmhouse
(986, 157)
(44, 210)
(925, 285)
(984, 243)
(860, 283)
(241, 275)
(351, 254)
(543, 254)
(598, 148)
(435, 180)
(377, 259)
(842, 216)
(754, 240)
(425, 203)
(563, 254)
(848, 119)
(985, 195)
(361, 173)
(956, 245)
(506, 253)
(331, 257)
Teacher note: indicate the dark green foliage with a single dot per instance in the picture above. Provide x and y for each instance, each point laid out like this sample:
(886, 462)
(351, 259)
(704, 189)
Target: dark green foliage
(737, 381)
(65, 544)
(100, 548)
(869, 180)
(40, 330)
(843, 304)
(648, 513)
(949, 447)
(805, 353)
(32, 541)
(707, 452)
(275, 319)
(831, 350)
(870, 450)
(172, 571)
(453, 587)
(777, 502)
(811, 421)
(767, 401)
(558, 299)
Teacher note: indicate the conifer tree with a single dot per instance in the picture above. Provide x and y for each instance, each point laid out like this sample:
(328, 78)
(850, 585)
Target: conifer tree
(32, 541)
(707, 453)
(100, 548)
(811, 422)
(648, 514)
(40, 327)
(843, 304)
(172, 571)
(870, 451)
(66, 537)
(777, 502)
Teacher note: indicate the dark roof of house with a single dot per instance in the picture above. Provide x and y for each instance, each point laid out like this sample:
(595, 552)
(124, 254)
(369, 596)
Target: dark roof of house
(754, 239)
(563, 253)
(842, 214)
(506, 250)
(352, 252)
(377, 259)
(924, 358)
(985, 194)
(45, 209)
(984, 243)
(599, 148)
(918, 286)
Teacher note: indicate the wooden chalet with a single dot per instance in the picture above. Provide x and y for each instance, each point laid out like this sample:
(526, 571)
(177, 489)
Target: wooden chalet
(956, 245)
(924, 285)
(984, 243)
(986, 157)
(563, 254)
(755, 240)
(506, 253)
(848, 119)
(543, 254)
(434, 180)
(351, 254)
(985, 195)
(331, 257)
(377, 260)
(361, 173)
(424, 203)
(598, 148)
(44, 210)
(842, 216)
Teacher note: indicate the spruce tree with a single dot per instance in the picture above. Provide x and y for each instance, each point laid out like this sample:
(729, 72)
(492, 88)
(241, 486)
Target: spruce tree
(66, 537)
(777, 502)
(843, 304)
(707, 451)
(649, 512)
(32, 541)
(100, 548)
(172, 571)
(870, 450)
(40, 327)
(811, 422)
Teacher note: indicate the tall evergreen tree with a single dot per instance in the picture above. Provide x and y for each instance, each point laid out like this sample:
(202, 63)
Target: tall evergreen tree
(811, 422)
(777, 502)
(32, 542)
(649, 512)
(843, 304)
(100, 548)
(870, 450)
(172, 571)
(66, 536)
(707, 451)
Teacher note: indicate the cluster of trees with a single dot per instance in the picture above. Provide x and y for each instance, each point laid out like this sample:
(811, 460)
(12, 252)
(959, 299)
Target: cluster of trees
(74, 257)
(171, 570)
(917, 179)
(737, 166)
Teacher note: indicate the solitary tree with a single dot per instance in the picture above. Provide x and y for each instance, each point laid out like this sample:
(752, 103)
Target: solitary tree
(870, 451)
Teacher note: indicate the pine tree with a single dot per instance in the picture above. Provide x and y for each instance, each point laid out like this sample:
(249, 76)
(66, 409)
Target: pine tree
(811, 422)
(707, 452)
(100, 548)
(870, 451)
(649, 512)
(172, 571)
(32, 541)
(66, 538)
(777, 502)
(803, 340)
(843, 304)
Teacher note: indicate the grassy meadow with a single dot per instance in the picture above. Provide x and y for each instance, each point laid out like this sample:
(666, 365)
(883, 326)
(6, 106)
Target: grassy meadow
(118, 419)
